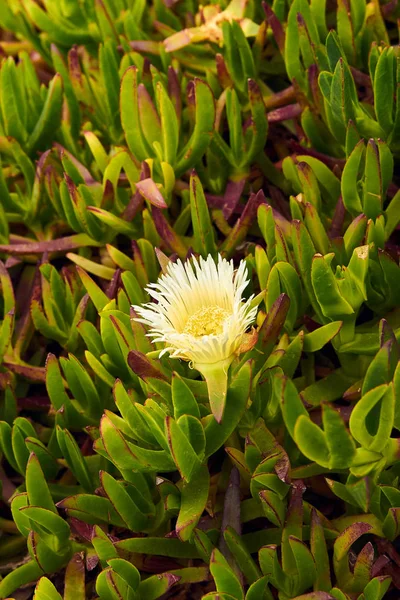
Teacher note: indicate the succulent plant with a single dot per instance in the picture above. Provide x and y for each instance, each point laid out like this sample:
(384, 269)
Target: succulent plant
(199, 300)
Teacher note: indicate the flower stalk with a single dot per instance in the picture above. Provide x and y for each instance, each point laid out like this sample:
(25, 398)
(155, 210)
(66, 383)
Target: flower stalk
(201, 317)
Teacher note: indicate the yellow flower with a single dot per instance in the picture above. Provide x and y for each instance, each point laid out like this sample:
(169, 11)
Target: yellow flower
(209, 26)
(201, 317)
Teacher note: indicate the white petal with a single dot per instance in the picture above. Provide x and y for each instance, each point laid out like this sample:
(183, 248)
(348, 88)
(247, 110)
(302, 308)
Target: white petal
(188, 288)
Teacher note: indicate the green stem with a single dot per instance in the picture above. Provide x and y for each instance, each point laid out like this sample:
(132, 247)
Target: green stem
(216, 376)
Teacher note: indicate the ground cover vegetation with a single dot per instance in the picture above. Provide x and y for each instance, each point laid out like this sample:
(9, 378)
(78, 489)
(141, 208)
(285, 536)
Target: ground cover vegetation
(146, 140)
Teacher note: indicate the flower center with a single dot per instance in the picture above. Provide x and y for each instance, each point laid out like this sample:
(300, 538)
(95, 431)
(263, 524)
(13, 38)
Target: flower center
(208, 320)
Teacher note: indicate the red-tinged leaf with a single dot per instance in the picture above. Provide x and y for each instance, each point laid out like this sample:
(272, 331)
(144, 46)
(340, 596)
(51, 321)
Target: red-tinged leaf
(82, 529)
(167, 234)
(157, 585)
(276, 26)
(61, 245)
(163, 259)
(143, 367)
(136, 202)
(84, 174)
(223, 75)
(174, 88)
(269, 331)
(345, 540)
(231, 198)
(32, 373)
(243, 224)
(75, 578)
(151, 192)
(363, 566)
(283, 114)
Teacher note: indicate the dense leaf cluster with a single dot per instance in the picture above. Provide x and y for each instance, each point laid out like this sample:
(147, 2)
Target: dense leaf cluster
(134, 132)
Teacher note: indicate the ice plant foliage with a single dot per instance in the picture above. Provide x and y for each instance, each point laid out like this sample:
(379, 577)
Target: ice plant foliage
(201, 317)
(145, 460)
